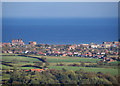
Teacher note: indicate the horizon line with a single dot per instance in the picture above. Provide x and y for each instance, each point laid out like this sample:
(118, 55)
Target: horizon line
(65, 43)
(59, 0)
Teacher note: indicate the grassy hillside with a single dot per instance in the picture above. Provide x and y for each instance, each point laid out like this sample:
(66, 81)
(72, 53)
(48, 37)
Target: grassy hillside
(18, 58)
(52, 60)
(71, 59)
(88, 69)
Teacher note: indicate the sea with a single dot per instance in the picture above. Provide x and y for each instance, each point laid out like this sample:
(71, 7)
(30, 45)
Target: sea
(60, 30)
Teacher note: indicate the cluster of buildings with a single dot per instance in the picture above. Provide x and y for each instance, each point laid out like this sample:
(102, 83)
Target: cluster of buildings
(32, 43)
(17, 42)
(91, 50)
(20, 42)
(39, 70)
(104, 45)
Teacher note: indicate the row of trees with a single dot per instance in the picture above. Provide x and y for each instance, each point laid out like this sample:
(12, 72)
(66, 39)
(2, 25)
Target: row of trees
(52, 76)
(98, 64)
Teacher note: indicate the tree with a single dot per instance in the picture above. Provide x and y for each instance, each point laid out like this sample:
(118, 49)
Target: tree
(111, 78)
(47, 64)
(43, 59)
(53, 76)
(82, 64)
(14, 61)
(39, 64)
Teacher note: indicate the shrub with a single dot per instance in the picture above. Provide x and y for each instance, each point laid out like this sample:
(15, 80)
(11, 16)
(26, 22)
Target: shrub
(74, 65)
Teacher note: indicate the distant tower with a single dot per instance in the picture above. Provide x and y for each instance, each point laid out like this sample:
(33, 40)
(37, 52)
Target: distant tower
(17, 42)
(21, 42)
(13, 40)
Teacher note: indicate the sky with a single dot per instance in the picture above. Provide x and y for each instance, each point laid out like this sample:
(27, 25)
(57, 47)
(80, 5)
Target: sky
(60, 10)
(60, 22)
(60, 0)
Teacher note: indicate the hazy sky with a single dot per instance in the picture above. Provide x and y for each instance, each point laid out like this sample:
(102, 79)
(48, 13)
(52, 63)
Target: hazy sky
(60, 10)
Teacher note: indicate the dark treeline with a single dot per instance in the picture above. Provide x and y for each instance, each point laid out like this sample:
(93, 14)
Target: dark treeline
(53, 76)
(41, 59)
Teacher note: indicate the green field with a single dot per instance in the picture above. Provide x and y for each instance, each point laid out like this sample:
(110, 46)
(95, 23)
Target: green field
(18, 58)
(87, 69)
(20, 62)
(54, 60)
(8, 67)
(72, 59)
(115, 62)
(6, 76)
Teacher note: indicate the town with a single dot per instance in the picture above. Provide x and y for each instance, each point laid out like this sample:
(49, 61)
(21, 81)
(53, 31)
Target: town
(108, 51)
(60, 43)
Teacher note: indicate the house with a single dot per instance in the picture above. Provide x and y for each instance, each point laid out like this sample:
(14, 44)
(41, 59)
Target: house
(4, 51)
(9, 51)
(69, 53)
(108, 60)
(39, 70)
(40, 52)
(71, 47)
(94, 46)
(25, 51)
(32, 43)
(17, 42)
(102, 53)
(64, 55)
(85, 45)
(107, 45)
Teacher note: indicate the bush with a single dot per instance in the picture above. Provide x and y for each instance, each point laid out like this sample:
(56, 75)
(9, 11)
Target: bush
(74, 65)
(83, 64)
(60, 64)
(53, 76)
(43, 59)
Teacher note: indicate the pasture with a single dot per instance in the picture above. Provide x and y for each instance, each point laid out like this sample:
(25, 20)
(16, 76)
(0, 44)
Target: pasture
(52, 60)
(71, 59)
(18, 58)
(87, 69)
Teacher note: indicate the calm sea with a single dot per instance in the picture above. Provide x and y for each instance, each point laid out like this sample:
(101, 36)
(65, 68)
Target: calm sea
(61, 31)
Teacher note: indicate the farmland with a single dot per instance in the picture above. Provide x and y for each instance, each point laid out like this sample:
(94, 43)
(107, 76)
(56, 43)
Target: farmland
(18, 58)
(53, 61)
(88, 69)
(26, 62)
(71, 59)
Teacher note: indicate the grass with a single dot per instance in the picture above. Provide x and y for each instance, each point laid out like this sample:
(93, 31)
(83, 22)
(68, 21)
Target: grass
(72, 59)
(67, 59)
(87, 69)
(8, 67)
(54, 60)
(20, 61)
(6, 76)
(115, 62)
(27, 68)
(67, 63)
(19, 58)
(8, 54)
